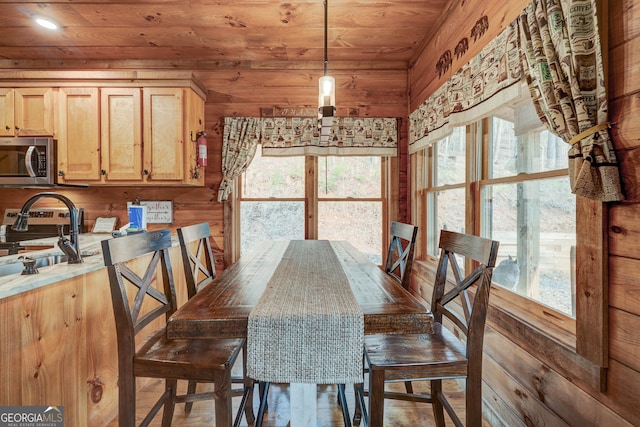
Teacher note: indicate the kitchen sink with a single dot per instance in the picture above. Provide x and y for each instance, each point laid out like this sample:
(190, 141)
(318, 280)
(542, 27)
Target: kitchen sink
(45, 261)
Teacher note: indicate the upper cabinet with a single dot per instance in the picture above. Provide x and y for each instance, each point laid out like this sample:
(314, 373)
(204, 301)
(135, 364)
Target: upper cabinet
(138, 133)
(164, 136)
(79, 129)
(26, 111)
(121, 135)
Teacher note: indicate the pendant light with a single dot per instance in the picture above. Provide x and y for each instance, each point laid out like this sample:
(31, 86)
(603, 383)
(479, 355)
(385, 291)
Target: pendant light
(327, 91)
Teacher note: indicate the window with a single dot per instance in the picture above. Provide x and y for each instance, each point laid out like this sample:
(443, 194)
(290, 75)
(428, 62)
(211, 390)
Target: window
(350, 202)
(527, 206)
(272, 200)
(446, 200)
(337, 198)
(522, 200)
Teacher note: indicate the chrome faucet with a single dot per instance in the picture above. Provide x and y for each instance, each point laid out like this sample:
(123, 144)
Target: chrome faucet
(68, 246)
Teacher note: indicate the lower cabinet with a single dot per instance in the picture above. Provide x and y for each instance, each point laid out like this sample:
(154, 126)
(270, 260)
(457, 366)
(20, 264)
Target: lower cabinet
(58, 347)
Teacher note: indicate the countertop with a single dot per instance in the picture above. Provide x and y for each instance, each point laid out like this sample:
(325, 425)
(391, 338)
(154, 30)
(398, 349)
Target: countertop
(90, 249)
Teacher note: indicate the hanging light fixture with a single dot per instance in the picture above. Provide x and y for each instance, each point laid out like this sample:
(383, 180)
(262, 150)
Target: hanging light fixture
(327, 91)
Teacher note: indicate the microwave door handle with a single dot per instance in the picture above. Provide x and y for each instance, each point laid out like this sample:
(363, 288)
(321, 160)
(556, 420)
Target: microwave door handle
(31, 151)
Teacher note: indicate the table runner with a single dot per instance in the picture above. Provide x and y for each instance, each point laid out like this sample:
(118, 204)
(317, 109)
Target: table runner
(307, 327)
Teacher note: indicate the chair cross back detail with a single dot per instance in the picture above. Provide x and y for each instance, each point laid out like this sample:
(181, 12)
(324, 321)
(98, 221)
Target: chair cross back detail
(481, 251)
(199, 266)
(400, 253)
(121, 251)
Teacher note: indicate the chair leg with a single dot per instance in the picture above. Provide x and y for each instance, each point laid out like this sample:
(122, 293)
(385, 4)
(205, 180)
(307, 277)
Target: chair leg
(357, 412)
(408, 386)
(223, 410)
(248, 383)
(376, 397)
(191, 389)
(264, 391)
(126, 399)
(342, 398)
(169, 403)
(436, 396)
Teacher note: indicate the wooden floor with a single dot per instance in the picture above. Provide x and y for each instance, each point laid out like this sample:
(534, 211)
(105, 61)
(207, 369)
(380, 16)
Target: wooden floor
(397, 413)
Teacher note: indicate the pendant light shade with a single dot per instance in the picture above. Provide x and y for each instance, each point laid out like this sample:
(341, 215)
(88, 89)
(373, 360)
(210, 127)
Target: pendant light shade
(326, 91)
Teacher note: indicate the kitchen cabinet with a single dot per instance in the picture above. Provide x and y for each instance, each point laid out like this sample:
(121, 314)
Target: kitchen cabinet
(112, 127)
(121, 135)
(26, 111)
(129, 135)
(78, 133)
(163, 133)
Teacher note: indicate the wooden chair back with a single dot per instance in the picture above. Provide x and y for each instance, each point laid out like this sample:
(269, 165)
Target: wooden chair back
(130, 319)
(483, 253)
(199, 266)
(401, 251)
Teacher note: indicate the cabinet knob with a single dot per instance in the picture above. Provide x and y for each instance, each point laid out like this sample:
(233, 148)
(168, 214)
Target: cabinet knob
(7, 127)
(60, 173)
(145, 172)
(103, 172)
(17, 127)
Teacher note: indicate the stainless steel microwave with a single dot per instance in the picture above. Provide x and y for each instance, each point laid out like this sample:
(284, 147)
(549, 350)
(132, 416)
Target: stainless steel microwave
(27, 162)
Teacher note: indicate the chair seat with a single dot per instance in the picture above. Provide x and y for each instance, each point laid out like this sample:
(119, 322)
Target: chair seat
(193, 359)
(415, 356)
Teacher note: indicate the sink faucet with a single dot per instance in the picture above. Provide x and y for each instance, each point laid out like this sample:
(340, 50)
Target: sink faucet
(68, 246)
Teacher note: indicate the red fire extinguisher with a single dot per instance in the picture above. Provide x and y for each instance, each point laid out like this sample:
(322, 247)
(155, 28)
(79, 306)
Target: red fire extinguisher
(201, 147)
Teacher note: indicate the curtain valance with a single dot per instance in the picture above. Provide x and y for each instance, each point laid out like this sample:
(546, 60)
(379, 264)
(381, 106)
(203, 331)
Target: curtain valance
(350, 136)
(485, 83)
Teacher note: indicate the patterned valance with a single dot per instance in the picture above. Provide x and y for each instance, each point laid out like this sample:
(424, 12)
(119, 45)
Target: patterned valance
(488, 81)
(350, 136)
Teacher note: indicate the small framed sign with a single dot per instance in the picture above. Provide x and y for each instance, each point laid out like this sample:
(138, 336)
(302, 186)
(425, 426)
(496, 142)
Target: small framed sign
(159, 211)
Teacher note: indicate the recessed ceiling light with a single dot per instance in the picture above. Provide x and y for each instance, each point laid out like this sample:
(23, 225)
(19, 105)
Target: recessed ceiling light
(47, 23)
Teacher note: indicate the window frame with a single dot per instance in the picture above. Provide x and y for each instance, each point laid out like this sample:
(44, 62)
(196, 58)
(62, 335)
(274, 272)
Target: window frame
(578, 347)
(388, 180)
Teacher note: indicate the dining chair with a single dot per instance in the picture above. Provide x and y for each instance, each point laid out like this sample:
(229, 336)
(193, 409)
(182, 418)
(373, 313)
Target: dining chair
(199, 271)
(398, 264)
(441, 355)
(400, 252)
(136, 263)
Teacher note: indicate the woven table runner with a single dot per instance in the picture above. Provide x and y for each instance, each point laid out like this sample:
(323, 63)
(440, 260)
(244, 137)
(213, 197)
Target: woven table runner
(307, 327)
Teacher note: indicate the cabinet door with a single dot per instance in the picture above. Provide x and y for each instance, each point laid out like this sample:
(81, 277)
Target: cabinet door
(194, 123)
(78, 135)
(33, 108)
(121, 131)
(6, 112)
(163, 133)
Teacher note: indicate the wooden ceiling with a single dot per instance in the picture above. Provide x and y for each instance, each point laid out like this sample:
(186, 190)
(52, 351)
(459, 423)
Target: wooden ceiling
(258, 31)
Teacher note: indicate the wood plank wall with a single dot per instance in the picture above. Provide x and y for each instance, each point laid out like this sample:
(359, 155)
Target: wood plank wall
(521, 389)
(243, 90)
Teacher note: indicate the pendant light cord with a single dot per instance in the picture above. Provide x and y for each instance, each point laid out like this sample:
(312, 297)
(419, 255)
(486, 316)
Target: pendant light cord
(326, 15)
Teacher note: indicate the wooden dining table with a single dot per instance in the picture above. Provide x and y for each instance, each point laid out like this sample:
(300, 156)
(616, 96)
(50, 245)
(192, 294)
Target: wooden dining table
(224, 308)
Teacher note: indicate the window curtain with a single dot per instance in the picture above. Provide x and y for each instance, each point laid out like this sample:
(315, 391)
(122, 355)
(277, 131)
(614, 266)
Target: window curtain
(241, 136)
(350, 136)
(561, 59)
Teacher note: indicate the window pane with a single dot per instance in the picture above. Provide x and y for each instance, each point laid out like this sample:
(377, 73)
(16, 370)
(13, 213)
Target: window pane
(533, 151)
(534, 222)
(450, 158)
(349, 176)
(359, 223)
(274, 177)
(261, 221)
(447, 208)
